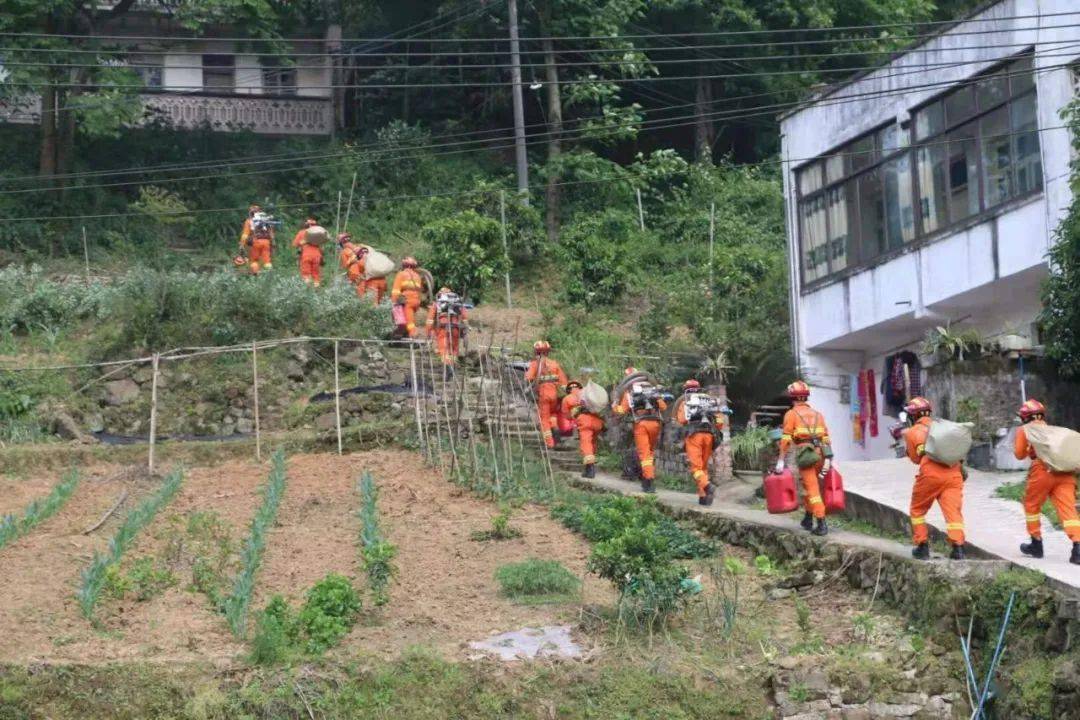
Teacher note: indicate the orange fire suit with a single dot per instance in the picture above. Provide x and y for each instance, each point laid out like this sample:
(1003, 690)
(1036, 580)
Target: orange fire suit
(351, 264)
(699, 446)
(259, 254)
(805, 427)
(547, 376)
(589, 425)
(647, 427)
(1043, 483)
(934, 482)
(410, 286)
(447, 330)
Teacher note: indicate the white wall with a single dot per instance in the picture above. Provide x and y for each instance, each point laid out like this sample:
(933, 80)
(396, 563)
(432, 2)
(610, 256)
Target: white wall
(182, 72)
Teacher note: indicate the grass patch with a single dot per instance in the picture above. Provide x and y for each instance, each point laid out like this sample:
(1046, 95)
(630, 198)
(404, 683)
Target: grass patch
(536, 582)
(501, 529)
(1015, 491)
(38, 511)
(145, 580)
(329, 612)
(236, 605)
(95, 575)
(376, 552)
(604, 517)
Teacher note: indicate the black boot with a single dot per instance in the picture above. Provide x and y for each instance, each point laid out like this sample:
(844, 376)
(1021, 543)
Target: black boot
(957, 552)
(707, 498)
(822, 528)
(1075, 558)
(1033, 549)
(589, 472)
(921, 551)
(807, 521)
(647, 486)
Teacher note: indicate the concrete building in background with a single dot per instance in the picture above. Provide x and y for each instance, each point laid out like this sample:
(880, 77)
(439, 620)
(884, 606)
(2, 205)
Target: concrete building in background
(921, 194)
(216, 82)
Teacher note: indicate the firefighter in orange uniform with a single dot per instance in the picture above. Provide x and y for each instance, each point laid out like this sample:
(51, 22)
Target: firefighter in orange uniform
(934, 482)
(248, 230)
(375, 285)
(805, 428)
(347, 259)
(547, 377)
(447, 322)
(311, 256)
(643, 403)
(408, 289)
(701, 422)
(1043, 483)
(259, 255)
(589, 426)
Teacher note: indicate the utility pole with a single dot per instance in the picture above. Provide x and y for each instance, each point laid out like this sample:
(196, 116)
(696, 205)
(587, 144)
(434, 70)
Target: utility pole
(519, 106)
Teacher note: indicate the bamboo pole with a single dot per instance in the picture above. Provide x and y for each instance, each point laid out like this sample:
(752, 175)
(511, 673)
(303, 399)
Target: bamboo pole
(153, 411)
(487, 414)
(337, 397)
(438, 420)
(506, 252)
(337, 217)
(255, 397)
(416, 399)
(640, 209)
(86, 254)
(348, 208)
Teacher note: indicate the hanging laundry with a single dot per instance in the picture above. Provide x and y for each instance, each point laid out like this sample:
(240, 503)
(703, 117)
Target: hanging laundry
(856, 418)
(871, 392)
(864, 404)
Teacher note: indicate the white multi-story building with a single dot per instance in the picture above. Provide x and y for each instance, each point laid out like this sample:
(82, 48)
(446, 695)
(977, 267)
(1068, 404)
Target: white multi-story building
(925, 193)
(216, 82)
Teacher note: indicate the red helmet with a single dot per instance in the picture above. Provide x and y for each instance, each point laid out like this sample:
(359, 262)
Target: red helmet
(409, 262)
(360, 250)
(573, 384)
(239, 261)
(630, 371)
(542, 347)
(691, 385)
(1031, 410)
(918, 406)
(311, 222)
(798, 390)
(343, 238)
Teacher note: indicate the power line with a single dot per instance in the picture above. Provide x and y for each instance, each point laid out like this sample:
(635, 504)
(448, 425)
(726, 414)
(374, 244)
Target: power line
(714, 33)
(489, 191)
(575, 81)
(723, 115)
(524, 51)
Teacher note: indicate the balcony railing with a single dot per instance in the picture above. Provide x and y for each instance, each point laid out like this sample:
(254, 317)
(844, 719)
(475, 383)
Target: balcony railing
(263, 115)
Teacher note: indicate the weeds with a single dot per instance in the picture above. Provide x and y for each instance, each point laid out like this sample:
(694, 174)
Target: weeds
(144, 581)
(500, 528)
(38, 511)
(95, 574)
(601, 518)
(376, 552)
(536, 581)
(329, 612)
(723, 612)
(236, 605)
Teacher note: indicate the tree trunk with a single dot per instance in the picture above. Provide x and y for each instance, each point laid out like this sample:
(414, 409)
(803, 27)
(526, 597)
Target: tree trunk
(555, 127)
(704, 133)
(47, 150)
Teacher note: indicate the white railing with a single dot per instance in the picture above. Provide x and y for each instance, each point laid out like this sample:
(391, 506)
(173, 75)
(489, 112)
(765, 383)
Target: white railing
(268, 116)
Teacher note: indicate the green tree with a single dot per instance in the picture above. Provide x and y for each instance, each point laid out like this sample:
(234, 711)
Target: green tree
(466, 252)
(1061, 291)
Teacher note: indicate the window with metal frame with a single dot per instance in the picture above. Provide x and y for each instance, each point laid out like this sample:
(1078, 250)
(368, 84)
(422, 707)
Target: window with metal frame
(963, 153)
(219, 73)
(279, 80)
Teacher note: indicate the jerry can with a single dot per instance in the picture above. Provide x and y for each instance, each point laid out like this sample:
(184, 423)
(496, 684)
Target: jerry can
(780, 494)
(397, 313)
(832, 491)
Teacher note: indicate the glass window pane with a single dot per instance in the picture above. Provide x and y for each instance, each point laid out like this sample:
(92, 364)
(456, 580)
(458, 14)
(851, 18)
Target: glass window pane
(814, 247)
(889, 139)
(899, 214)
(861, 153)
(996, 157)
(834, 168)
(932, 164)
(992, 90)
(930, 120)
(1021, 79)
(959, 105)
(1027, 162)
(871, 215)
(841, 209)
(810, 178)
(963, 174)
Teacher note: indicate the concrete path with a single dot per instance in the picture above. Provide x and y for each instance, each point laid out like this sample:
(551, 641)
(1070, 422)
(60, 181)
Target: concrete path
(994, 524)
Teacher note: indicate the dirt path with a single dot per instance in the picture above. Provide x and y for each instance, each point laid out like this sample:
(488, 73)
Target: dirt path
(446, 593)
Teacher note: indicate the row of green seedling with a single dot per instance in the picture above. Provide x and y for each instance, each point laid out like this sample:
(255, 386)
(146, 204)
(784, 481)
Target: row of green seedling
(238, 603)
(376, 552)
(38, 511)
(94, 576)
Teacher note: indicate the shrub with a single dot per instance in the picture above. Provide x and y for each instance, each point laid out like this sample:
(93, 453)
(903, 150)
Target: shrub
(237, 603)
(594, 256)
(500, 528)
(329, 612)
(466, 252)
(38, 511)
(537, 581)
(95, 575)
(608, 516)
(275, 633)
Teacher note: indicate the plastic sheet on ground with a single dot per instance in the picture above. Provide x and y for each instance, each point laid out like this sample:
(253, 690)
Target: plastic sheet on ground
(530, 643)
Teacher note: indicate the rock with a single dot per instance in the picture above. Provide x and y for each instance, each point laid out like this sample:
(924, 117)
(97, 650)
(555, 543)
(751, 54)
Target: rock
(887, 710)
(245, 426)
(779, 593)
(143, 375)
(788, 662)
(354, 358)
(94, 422)
(802, 579)
(854, 713)
(816, 683)
(294, 371)
(299, 352)
(485, 385)
(121, 392)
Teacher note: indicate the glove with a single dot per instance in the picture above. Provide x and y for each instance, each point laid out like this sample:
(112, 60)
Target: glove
(780, 465)
(826, 467)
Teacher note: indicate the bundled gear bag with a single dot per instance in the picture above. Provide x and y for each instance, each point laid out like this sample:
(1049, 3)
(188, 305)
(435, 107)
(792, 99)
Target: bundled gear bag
(948, 442)
(645, 396)
(1057, 447)
(377, 265)
(594, 397)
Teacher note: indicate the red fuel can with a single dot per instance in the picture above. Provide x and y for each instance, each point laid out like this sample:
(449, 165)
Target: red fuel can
(397, 314)
(832, 491)
(780, 494)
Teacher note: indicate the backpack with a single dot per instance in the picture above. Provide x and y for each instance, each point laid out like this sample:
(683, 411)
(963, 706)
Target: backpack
(594, 397)
(1057, 447)
(449, 305)
(701, 408)
(643, 396)
(316, 236)
(809, 452)
(377, 265)
(948, 442)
